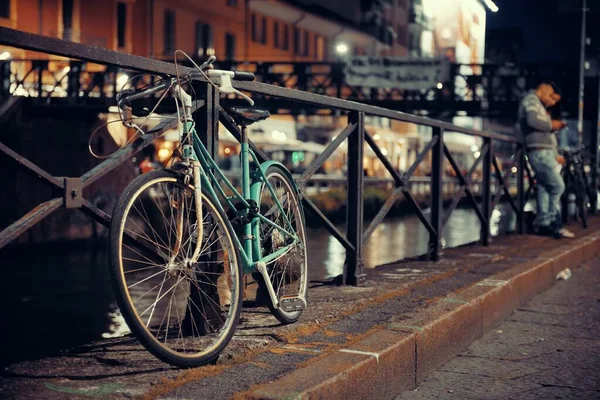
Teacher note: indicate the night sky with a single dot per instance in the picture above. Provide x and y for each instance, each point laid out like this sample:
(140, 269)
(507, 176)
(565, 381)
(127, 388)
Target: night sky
(549, 30)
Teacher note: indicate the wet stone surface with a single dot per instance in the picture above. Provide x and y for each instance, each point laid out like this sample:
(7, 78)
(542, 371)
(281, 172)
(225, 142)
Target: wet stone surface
(547, 349)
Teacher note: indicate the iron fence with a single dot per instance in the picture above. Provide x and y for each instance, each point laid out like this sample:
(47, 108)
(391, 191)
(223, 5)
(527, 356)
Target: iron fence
(67, 191)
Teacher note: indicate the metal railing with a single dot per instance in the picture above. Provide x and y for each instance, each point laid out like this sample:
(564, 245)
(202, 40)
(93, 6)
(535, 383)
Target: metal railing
(68, 190)
(487, 89)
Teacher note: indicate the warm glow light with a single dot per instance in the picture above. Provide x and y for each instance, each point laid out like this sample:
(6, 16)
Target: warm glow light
(376, 136)
(5, 56)
(440, 85)
(491, 5)
(121, 81)
(227, 150)
(384, 152)
(474, 148)
(163, 154)
(279, 136)
(341, 48)
(514, 170)
(476, 154)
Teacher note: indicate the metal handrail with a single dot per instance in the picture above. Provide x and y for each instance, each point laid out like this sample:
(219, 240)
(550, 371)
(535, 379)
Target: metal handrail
(355, 134)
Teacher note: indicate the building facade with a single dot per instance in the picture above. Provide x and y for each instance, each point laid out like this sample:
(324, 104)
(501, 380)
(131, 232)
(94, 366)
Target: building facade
(240, 30)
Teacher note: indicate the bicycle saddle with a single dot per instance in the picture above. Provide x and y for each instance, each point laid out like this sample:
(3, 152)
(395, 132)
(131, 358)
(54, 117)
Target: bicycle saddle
(247, 115)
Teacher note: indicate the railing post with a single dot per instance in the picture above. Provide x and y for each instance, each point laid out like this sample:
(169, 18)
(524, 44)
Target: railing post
(207, 120)
(521, 188)
(594, 132)
(73, 84)
(487, 191)
(437, 201)
(5, 78)
(354, 261)
(39, 66)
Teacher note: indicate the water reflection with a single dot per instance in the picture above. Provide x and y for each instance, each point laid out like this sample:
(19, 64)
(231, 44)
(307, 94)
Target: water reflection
(53, 298)
(398, 238)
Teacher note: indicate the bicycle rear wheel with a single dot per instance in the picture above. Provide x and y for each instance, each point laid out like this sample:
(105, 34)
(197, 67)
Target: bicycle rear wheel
(582, 203)
(183, 312)
(288, 273)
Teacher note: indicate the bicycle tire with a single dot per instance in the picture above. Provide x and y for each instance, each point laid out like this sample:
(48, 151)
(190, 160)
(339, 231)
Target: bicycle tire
(297, 273)
(580, 195)
(209, 291)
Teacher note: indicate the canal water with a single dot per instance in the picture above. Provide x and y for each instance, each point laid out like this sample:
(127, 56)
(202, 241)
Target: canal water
(59, 298)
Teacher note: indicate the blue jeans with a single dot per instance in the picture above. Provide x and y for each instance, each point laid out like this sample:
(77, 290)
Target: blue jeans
(550, 185)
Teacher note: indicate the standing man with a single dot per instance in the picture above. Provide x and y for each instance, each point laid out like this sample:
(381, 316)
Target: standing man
(538, 132)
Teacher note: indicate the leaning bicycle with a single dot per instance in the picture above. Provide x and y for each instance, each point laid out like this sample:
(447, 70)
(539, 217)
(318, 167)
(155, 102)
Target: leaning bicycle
(576, 183)
(176, 261)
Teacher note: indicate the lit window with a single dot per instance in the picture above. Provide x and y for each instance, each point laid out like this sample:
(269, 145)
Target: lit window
(4, 8)
(121, 23)
(169, 31)
(230, 46)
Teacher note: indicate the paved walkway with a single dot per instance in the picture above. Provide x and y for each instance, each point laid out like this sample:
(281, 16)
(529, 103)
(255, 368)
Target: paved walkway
(548, 349)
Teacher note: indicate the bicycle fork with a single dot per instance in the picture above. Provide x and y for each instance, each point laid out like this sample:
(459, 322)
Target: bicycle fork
(179, 223)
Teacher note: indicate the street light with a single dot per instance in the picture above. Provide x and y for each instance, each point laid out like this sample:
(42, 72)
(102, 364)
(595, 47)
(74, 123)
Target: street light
(341, 48)
(491, 5)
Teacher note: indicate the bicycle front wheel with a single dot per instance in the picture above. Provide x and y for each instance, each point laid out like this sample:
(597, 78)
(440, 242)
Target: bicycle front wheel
(184, 310)
(288, 273)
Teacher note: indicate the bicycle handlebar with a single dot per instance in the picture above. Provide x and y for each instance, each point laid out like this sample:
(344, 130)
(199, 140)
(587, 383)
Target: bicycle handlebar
(125, 97)
(216, 73)
(243, 76)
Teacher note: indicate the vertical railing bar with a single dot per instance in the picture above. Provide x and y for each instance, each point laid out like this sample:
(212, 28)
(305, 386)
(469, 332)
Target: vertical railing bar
(521, 189)
(486, 198)
(437, 174)
(354, 264)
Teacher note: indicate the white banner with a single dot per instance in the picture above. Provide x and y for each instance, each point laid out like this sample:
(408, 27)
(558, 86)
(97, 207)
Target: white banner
(396, 72)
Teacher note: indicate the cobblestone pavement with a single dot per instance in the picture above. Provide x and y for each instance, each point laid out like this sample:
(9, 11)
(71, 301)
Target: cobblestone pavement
(547, 349)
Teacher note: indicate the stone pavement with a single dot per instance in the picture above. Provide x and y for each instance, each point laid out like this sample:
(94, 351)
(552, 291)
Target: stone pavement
(547, 349)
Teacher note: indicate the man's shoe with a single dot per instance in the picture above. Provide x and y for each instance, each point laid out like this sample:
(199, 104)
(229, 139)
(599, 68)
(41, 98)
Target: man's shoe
(549, 231)
(564, 232)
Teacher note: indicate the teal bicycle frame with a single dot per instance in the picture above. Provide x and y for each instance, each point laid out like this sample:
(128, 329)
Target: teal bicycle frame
(249, 246)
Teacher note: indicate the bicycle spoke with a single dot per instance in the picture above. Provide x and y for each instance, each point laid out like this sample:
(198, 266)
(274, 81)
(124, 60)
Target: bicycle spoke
(188, 309)
(147, 221)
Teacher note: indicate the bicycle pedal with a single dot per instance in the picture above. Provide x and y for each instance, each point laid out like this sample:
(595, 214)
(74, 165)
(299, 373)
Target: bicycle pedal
(292, 303)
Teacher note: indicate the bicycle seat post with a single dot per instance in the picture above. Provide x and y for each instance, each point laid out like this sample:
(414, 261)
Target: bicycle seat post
(245, 161)
(244, 155)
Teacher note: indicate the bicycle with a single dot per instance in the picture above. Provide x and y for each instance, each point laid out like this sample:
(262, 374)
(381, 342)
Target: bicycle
(576, 182)
(175, 259)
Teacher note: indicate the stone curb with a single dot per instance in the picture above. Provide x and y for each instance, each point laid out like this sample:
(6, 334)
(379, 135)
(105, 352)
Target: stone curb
(399, 356)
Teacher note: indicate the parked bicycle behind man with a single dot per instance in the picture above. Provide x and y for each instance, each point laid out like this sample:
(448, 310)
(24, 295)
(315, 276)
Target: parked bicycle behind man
(538, 129)
(555, 112)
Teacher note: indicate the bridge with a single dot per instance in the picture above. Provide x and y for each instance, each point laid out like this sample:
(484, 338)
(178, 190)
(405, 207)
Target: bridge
(486, 90)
